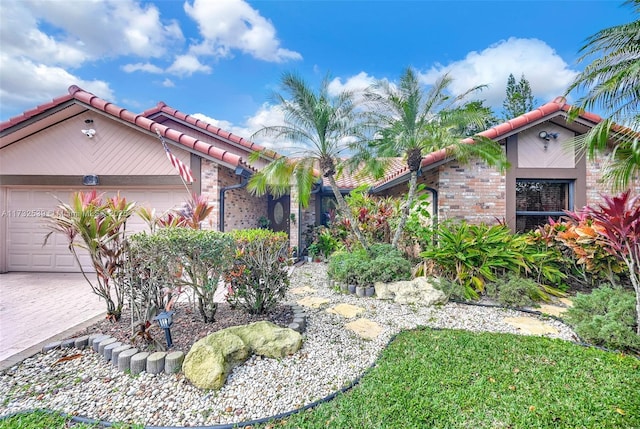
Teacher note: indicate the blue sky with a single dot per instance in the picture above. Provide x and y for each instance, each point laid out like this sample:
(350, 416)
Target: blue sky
(220, 59)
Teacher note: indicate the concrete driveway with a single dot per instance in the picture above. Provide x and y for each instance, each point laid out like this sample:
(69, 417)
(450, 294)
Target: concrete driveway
(38, 308)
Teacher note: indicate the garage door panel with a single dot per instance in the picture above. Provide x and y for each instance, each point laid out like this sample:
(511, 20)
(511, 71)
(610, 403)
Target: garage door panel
(26, 230)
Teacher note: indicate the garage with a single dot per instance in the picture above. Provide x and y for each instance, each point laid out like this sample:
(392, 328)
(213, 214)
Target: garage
(26, 224)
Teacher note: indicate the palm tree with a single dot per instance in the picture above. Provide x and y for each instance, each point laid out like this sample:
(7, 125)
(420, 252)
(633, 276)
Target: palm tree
(413, 123)
(324, 126)
(612, 81)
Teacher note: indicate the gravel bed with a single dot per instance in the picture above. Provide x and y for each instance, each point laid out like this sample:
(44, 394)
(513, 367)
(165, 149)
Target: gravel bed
(331, 357)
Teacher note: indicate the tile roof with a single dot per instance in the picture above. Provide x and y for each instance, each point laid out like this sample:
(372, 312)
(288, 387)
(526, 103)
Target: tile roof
(139, 120)
(162, 107)
(498, 132)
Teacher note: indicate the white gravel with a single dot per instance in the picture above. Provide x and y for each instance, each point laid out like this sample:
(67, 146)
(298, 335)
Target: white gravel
(330, 359)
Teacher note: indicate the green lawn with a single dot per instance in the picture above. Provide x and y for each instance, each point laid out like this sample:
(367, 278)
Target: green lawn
(457, 379)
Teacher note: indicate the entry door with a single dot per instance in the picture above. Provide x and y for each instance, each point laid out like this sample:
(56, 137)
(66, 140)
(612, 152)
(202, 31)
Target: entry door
(279, 210)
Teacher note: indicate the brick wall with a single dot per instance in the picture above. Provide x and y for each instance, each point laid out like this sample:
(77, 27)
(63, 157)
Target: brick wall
(242, 210)
(474, 192)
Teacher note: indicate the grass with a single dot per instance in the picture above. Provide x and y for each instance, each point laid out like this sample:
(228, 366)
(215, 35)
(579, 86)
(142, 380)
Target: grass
(457, 379)
(45, 420)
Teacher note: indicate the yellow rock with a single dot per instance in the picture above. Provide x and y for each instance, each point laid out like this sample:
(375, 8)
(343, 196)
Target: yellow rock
(313, 301)
(567, 302)
(530, 326)
(303, 290)
(553, 310)
(365, 328)
(346, 310)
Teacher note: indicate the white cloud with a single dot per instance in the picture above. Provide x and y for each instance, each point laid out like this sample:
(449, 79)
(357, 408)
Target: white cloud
(105, 28)
(168, 83)
(145, 67)
(44, 82)
(267, 115)
(548, 74)
(186, 65)
(355, 84)
(234, 24)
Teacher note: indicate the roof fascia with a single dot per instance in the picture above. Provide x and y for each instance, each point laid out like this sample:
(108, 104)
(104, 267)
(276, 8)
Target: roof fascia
(33, 119)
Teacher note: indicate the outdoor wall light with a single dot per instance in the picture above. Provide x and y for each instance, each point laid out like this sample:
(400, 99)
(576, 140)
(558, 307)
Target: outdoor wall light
(165, 320)
(90, 180)
(547, 136)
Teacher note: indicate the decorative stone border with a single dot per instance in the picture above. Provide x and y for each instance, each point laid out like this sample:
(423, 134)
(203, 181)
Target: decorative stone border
(124, 356)
(128, 358)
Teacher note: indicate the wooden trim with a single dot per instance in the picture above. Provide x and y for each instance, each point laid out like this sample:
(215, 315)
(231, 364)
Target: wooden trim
(196, 169)
(76, 181)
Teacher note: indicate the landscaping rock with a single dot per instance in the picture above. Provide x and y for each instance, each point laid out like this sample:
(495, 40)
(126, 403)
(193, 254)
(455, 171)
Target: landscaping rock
(417, 291)
(313, 301)
(530, 326)
(138, 363)
(108, 350)
(212, 358)
(365, 328)
(81, 342)
(268, 339)
(346, 310)
(116, 353)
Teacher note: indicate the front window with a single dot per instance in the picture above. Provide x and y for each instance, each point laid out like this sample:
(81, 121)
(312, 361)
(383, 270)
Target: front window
(539, 199)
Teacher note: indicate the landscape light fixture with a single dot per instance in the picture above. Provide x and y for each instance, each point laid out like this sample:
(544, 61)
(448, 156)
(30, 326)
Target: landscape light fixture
(165, 320)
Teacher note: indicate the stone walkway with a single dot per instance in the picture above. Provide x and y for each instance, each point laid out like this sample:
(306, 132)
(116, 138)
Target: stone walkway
(367, 329)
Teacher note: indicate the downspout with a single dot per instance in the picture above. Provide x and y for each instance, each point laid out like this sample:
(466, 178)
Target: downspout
(244, 178)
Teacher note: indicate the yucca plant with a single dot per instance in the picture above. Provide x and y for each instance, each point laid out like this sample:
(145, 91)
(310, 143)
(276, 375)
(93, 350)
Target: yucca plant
(100, 227)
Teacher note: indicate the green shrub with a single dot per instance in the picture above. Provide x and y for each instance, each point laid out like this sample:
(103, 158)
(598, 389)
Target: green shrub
(453, 290)
(515, 291)
(606, 317)
(383, 263)
(200, 258)
(258, 278)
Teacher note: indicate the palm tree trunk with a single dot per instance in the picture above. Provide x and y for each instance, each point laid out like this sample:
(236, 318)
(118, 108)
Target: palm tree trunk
(413, 185)
(344, 209)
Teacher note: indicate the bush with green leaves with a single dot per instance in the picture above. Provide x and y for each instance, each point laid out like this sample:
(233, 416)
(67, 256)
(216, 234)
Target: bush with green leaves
(151, 279)
(258, 278)
(198, 259)
(515, 291)
(606, 317)
(383, 263)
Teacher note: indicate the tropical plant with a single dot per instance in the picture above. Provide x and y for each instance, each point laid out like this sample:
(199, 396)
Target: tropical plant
(98, 227)
(606, 317)
(617, 221)
(413, 124)
(258, 278)
(473, 255)
(374, 215)
(192, 214)
(519, 99)
(324, 126)
(197, 259)
(612, 80)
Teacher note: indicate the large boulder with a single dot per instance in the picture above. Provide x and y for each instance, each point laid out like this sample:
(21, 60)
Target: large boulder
(212, 358)
(269, 340)
(417, 291)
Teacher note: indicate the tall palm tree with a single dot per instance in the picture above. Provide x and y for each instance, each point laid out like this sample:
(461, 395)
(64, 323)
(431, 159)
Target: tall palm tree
(612, 81)
(413, 123)
(324, 127)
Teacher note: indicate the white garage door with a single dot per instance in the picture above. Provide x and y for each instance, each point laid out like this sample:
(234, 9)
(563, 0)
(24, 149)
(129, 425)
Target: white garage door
(26, 228)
